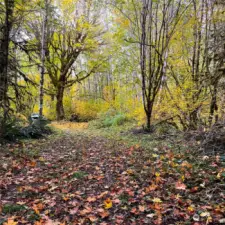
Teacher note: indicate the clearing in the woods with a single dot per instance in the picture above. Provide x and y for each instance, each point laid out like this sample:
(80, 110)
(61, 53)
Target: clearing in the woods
(76, 177)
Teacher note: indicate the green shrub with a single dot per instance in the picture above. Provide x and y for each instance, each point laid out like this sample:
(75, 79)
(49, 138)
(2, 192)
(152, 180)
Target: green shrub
(110, 118)
(12, 128)
(18, 127)
(35, 131)
(116, 120)
(120, 119)
(165, 129)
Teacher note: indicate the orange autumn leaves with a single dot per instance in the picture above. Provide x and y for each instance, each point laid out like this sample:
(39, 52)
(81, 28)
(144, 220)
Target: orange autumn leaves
(10, 221)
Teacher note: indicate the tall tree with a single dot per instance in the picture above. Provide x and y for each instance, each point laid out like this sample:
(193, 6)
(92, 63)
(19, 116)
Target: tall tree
(69, 41)
(43, 54)
(7, 7)
(214, 52)
(158, 21)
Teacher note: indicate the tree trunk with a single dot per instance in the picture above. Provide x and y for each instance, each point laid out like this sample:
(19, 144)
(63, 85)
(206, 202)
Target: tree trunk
(148, 121)
(194, 119)
(213, 107)
(4, 53)
(148, 114)
(59, 104)
(43, 51)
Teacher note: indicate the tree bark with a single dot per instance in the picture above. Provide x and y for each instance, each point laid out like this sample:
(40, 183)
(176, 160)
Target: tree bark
(148, 122)
(59, 104)
(213, 107)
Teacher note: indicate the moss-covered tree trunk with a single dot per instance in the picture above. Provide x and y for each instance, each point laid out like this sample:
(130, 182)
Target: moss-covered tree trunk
(4, 54)
(59, 102)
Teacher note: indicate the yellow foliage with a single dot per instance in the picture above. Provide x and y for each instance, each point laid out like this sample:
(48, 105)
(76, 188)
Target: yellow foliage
(87, 110)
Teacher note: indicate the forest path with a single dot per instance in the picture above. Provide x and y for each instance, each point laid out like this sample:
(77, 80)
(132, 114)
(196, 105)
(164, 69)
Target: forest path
(82, 179)
(75, 179)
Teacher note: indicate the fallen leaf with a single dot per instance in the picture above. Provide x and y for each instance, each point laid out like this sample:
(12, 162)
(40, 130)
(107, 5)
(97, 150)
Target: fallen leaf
(32, 164)
(194, 189)
(10, 221)
(222, 220)
(86, 211)
(205, 214)
(191, 208)
(151, 188)
(157, 174)
(74, 211)
(92, 218)
(186, 164)
(91, 199)
(108, 203)
(103, 213)
(116, 201)
(180, 186)
(134, 211)
(41, 159)
(156, 200)
(141, 208)
(151, 215)
(38, 222)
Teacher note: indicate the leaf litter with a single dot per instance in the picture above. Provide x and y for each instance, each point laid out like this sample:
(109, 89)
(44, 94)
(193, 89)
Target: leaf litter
(78, 179)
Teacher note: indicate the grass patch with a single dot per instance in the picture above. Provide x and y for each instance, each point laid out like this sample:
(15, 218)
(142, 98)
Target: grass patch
(27, 152)
(131, 134)
(79, 175)
(124, 198)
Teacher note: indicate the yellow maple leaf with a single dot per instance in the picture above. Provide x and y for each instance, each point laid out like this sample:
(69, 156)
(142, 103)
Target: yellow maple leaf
(178, 196)
(183, 178)
(130, 171)
(108, 203)
(218, 175)
(42, 159)
(157, 200)
(191, 208)
(157, 174)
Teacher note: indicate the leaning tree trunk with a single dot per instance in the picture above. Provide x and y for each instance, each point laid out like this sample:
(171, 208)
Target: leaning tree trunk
(59, 104)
